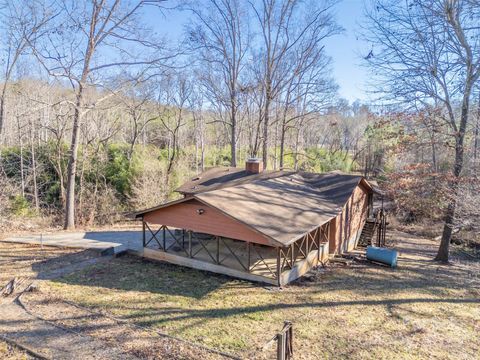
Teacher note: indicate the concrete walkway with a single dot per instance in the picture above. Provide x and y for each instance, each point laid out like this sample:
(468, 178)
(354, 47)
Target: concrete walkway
(108, 242)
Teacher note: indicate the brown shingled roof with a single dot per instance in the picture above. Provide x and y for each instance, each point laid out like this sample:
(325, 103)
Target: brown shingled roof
(282, 206)
(285, 208)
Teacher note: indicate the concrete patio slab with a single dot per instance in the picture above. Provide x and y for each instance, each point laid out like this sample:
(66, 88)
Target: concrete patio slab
(108, 242)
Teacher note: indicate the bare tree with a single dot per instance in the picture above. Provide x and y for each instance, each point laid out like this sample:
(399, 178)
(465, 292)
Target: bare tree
(429, 52)
(89, 42)
(310, 90)
(174, 95)
(195, 105)
(220, 35)
(286, 27)
(138, 103)
(253, 99)
(23, 22)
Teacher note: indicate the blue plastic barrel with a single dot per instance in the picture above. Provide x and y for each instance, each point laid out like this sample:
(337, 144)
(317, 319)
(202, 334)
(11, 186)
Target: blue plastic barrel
(382, 255)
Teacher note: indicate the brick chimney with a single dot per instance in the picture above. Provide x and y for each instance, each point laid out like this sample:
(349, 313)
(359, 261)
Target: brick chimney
(254, 166)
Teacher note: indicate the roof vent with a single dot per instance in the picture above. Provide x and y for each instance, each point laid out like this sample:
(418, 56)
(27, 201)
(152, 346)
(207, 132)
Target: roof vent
(254, 166)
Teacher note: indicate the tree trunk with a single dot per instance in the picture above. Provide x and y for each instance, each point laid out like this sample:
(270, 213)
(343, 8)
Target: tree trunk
(2, 113)
(81, 181)
(72, 161)
(196, 150)
(202, 150)
(2, 103)
(34, 169)
(22, 172)
(297, 140)
(72, 165)
(282, 144)
(61, 177)
(168, 147)
(476, 140)
(256, 145)
(233, 143)
(275, 145)
(172, 158)
(265, 128)
(443, 250)
(434, 153)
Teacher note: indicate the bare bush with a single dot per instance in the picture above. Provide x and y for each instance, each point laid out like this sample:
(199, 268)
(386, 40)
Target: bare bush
(149, 188)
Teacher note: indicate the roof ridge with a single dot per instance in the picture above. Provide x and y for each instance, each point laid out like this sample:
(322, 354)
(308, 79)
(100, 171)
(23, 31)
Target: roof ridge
(213, 179)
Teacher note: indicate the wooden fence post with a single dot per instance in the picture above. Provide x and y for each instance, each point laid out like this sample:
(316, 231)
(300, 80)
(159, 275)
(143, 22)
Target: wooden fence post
(285, 342)
(281, 346)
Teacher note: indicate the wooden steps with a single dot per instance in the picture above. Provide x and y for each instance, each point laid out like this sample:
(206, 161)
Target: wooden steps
(367, 234)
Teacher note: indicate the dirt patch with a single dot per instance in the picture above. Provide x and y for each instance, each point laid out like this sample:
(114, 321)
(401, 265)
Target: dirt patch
(50, 341)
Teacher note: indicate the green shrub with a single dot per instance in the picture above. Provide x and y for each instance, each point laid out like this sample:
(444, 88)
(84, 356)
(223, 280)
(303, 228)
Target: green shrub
(20, 206)
(119, 170)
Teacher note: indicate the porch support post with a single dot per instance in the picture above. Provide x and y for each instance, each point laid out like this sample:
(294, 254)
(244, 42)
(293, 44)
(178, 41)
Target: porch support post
(279, 270)
(307, 237)
(164, 239)
(190, 243)
(218, 250)
(317, 238)
(248, 255)
(183, 238)
(292, 254)
(143, 232)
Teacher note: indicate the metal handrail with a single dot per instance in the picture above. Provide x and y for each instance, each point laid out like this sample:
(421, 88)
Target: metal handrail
(380, 224)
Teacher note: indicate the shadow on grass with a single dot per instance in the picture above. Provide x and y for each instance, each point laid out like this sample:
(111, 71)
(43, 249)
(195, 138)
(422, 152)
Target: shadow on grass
(57, 266)
(130, 273)
(172, 315)
(133, 274)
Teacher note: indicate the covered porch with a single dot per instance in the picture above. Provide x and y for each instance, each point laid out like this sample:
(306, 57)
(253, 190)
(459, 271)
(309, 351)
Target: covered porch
(275, 265)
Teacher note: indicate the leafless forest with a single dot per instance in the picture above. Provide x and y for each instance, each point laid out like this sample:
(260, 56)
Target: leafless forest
(101, 115)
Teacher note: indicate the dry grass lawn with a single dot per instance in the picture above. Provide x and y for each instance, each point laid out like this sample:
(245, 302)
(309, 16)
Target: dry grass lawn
(31, 261)
(69, 329)
(11, 353)
(420, 310)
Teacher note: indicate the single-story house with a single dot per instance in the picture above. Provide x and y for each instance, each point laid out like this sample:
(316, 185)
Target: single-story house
(267, 226)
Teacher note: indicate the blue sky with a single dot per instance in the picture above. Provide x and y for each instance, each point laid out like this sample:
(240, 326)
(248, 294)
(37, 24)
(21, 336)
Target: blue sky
(345, 49)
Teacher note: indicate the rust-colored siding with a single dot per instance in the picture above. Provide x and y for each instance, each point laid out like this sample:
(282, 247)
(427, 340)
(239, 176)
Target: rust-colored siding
(185, 215)
(332, 236)
(346, 227)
